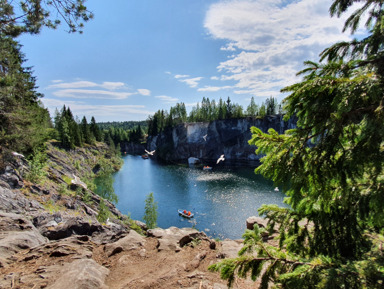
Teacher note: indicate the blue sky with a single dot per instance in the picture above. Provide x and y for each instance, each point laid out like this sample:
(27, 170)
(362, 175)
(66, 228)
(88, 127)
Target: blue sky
(136, 57)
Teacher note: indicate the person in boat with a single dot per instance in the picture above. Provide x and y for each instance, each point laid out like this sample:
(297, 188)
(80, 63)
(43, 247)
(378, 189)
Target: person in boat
(185, 212)
(189, 213)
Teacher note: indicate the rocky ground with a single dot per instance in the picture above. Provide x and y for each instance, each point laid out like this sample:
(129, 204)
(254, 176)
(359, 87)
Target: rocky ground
(51, 238)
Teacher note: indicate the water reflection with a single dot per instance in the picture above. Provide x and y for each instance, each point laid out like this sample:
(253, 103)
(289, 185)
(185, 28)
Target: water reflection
(221, 199)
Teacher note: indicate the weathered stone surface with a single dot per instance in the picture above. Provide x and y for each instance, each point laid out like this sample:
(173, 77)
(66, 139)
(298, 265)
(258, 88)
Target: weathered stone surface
(130, 242)
(46, 219)
(81, 274)
(17, 233)
(173, 238)
(132, 148)
(13, 201)
(72, 226)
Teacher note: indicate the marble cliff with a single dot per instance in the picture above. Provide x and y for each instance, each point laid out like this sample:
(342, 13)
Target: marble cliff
(208, 140)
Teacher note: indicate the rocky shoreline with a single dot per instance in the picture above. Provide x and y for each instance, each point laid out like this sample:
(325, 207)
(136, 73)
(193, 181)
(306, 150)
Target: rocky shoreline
(51, 238)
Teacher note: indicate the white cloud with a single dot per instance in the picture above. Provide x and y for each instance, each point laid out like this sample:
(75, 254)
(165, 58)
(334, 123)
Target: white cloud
(167, 99)
(177, 76)
(85, 84)
(112, 85)
(191, 82)
(214, 88)
(273, 38)
(89, 89)
(144, 91)
(91, 93)
(100, 112)
(76, 84)
(228, 47)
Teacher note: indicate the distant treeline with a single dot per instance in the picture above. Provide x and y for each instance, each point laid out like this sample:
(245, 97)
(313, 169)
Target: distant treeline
(72, 132)
(125, 125)
(209, 110)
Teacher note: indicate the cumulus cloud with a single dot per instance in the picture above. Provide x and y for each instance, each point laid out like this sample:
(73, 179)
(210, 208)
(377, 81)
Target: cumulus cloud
(167, 99)
(144, 91)
(191, 82)
(271, 39)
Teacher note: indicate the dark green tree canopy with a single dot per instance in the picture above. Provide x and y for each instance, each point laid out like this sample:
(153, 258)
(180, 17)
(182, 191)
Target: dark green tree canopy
(24, 122)
(30, 16)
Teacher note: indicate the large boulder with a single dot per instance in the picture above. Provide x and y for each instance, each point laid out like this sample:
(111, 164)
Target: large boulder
(81, 274)
(229, 248)
(69, 227)
(130, 242)
(174, 238)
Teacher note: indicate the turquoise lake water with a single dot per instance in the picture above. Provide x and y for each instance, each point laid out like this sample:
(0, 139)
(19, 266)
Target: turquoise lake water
(221, 199)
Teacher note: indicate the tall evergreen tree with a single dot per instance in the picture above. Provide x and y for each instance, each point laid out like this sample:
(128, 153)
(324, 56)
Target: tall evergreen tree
(331, 168)
(94, 128)
(85, 130)
(24, 122)
(252, 109)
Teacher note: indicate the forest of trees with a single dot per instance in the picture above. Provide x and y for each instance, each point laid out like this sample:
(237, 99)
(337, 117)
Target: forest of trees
(125, 125)
(209, 110)
(72, 133)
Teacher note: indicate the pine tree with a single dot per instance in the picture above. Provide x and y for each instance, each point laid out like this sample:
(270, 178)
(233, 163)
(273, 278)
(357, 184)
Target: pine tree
(150, 211)
(24, 122)
(85, 130)
(252, 109)
(95, 129)
(331, 169)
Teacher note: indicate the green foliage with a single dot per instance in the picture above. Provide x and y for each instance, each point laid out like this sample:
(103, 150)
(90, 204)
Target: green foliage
(131, 224)
(87, 197)
(73, 133)
(331, 168)
(37, 164)
(104, 187)
(67, 180)
(51, 207)
(104, 181)
(195, 242)
(150, 212)
(24, 123)
(104, 212)
(63, 190)
(31, 15)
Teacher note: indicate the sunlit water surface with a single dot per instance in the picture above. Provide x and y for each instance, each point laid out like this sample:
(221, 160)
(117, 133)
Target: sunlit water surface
(221, 199)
